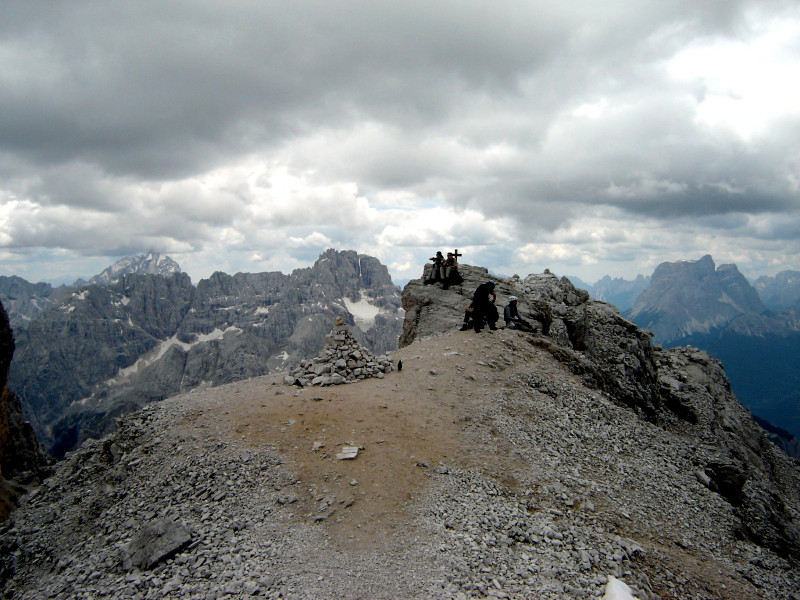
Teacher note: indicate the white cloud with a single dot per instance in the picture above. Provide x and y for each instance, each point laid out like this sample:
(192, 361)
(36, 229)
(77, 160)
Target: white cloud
(250, 136)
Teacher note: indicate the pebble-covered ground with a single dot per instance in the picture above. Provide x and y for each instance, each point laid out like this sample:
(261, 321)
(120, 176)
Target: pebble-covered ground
(484, 469)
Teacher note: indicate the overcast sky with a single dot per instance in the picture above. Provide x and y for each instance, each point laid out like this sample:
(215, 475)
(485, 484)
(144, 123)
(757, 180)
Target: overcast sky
(589, 137)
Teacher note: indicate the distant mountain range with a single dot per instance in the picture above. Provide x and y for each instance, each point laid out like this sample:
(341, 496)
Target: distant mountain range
(622, 293)
(754, 329)
(776, 293)
(140, 331)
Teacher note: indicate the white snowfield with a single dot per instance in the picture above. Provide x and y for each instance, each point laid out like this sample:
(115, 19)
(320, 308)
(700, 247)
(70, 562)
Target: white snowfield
(159, 351)
(363, 312)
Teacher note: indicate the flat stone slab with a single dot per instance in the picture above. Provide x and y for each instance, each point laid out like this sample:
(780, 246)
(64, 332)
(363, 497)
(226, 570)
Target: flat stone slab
(156, 542)
(348, 453)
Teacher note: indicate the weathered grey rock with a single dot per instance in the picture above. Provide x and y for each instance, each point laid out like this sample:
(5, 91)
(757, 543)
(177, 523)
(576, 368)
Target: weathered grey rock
(25, 301)
(591, 487)
(156, 542)
(152, 263)
(680, 387)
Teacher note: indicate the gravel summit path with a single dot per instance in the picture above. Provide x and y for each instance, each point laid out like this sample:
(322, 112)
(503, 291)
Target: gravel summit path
(484, 469)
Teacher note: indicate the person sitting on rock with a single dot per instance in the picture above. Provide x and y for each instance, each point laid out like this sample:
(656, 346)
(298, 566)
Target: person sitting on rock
(483, 308)
(437, 271)
(512, 318)
(450, 271)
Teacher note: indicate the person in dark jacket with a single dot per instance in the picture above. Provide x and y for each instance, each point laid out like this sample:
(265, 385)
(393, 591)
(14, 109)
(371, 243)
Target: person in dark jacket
(437, 271)
(512, 318)
(483, 307)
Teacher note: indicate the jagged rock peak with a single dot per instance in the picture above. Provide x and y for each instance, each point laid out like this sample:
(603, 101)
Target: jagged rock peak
(152, 263)
(781, 291)
(105, 349)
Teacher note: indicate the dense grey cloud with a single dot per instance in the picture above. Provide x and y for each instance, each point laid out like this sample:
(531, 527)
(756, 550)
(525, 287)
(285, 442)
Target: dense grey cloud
(582, 136)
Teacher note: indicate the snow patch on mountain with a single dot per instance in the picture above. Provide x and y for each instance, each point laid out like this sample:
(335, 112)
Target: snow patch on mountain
(363, 312)
(159, 351)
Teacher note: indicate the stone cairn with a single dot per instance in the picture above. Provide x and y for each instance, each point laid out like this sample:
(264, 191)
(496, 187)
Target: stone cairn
(343, 360)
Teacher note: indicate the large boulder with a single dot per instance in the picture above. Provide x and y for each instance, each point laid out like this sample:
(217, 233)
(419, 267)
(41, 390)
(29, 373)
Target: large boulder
(156, 542)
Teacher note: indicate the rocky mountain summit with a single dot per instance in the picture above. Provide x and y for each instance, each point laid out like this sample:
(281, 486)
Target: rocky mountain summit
(25, 301)
(152, 263)
(109, 349)
(781, 291)
(495, 465)
(689, 297)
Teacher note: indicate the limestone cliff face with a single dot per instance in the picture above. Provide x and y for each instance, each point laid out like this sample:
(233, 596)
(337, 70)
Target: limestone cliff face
(681, 389)
(88, 338)
(23, 461)
(25, 301)
(109, 349)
